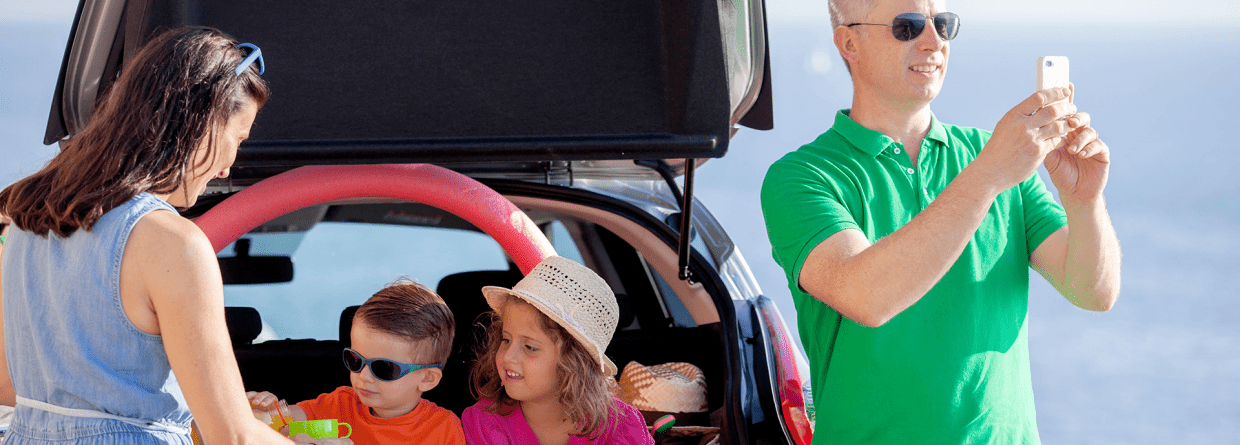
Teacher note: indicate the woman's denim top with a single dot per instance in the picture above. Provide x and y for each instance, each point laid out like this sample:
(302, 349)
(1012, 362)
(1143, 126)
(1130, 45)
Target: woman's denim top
(69, 343)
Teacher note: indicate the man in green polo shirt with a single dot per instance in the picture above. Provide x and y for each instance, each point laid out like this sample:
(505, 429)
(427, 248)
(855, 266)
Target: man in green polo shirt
(907, 242)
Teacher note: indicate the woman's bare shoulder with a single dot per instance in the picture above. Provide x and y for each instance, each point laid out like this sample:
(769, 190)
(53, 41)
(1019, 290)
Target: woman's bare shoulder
(165, 240)
(164, 228)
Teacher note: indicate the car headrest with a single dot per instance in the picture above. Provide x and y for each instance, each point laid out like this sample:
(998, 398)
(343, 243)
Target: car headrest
(626, 314)
(463, 293)
(346, 324)
(244, 324)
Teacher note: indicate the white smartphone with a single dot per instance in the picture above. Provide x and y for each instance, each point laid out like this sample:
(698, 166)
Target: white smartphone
(1052, 72)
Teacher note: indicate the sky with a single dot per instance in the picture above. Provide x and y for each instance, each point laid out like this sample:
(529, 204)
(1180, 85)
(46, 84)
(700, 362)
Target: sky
(1098, 12)
(1101, 12)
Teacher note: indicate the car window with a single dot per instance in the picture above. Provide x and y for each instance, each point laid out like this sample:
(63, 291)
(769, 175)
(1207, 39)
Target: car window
(563, 242)
(680, 315)
(340, 264)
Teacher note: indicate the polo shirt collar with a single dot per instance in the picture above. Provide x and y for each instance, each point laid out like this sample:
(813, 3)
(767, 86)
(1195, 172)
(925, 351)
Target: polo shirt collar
(937, 132)
(872, 142)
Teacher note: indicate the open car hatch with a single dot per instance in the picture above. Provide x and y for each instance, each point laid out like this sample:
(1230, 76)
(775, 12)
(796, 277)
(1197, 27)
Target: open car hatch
(504, 86)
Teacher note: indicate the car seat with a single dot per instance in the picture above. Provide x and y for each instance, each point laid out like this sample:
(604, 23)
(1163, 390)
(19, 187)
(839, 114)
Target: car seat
(346, 324)
(244, 324)
(292, 369)
(463, 293)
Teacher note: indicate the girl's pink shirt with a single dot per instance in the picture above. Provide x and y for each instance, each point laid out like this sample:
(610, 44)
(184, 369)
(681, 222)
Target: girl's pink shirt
(482, 427)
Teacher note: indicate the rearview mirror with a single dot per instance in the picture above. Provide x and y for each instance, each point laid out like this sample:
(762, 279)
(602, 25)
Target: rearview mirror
(246, 269)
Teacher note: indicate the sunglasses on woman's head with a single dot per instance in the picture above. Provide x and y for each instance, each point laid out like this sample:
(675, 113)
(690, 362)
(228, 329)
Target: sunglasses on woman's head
(908, 26)
(383, 369)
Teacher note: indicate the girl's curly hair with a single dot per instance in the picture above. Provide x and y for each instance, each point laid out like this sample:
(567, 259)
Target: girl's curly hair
(585, 393)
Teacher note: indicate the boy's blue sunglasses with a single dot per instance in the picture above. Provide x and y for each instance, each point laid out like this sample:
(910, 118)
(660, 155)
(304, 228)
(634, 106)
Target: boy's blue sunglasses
(383, 369)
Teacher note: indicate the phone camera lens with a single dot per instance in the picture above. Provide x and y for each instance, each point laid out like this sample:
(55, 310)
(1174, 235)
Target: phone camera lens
(1049, 64)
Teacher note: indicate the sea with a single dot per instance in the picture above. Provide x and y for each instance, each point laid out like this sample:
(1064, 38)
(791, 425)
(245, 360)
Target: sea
(1163, 366)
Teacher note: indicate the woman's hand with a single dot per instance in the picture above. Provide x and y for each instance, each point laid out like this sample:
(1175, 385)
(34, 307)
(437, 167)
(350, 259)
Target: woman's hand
(262, 400)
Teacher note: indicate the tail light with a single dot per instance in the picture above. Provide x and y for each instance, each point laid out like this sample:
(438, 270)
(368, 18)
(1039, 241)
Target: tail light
(792, 372)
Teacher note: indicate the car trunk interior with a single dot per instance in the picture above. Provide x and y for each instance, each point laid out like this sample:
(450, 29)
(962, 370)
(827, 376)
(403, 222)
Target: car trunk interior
(662, 319)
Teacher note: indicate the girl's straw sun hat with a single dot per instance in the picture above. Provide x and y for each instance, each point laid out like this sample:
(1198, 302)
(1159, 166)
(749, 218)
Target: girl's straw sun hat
(571, 295)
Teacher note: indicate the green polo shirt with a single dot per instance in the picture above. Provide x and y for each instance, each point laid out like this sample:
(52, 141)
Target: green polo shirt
(954, 367)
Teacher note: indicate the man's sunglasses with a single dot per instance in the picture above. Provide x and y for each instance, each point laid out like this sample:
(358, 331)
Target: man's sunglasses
(383, 369)
(908, 26)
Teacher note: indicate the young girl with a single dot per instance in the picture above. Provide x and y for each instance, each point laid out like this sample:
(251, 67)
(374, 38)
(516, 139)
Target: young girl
(542, 376)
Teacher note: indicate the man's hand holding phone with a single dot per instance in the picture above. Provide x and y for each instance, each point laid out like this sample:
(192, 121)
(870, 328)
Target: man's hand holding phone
(1046, 128)
(1079, 167)
(1026, 134)
(1034, 128)
(1079, 164)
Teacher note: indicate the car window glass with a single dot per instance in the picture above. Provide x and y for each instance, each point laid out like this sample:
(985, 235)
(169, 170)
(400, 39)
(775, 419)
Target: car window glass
(337, 265)
(267, 244)
(563, 242)
(680, 315)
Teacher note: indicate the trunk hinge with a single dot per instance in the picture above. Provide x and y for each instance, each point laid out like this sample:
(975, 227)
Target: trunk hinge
(558, 173)
(685, 201)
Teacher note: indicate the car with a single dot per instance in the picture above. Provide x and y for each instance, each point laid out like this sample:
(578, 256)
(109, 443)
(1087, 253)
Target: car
(459, 143)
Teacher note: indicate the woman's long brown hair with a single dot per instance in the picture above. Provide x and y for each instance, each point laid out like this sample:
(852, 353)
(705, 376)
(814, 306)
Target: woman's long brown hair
(170, 98)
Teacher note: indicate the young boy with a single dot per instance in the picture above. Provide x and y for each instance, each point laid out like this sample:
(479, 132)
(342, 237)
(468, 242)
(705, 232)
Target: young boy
(401, 337)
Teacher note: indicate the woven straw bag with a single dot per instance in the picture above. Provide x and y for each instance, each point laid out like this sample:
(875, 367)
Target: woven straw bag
(671, 387)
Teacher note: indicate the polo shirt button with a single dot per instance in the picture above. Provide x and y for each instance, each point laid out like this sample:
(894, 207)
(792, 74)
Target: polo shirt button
(910, 171)
(897, 150)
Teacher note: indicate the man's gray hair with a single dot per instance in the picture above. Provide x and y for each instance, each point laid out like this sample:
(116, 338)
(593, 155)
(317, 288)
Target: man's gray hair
(844, 12)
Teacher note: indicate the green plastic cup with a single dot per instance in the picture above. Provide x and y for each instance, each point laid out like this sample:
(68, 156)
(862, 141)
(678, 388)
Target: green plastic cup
(320, 429)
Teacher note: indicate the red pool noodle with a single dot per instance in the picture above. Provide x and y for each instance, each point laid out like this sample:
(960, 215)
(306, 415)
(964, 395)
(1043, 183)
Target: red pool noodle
(427, 184)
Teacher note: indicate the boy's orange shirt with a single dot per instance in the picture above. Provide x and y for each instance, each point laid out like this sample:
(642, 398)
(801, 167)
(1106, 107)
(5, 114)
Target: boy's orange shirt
(428, 423)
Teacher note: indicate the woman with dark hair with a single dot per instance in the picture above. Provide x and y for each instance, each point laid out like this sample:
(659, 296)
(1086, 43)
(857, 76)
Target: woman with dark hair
(112, 302)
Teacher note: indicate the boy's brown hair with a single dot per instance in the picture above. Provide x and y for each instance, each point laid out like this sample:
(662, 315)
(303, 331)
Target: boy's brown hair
(411, 310)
